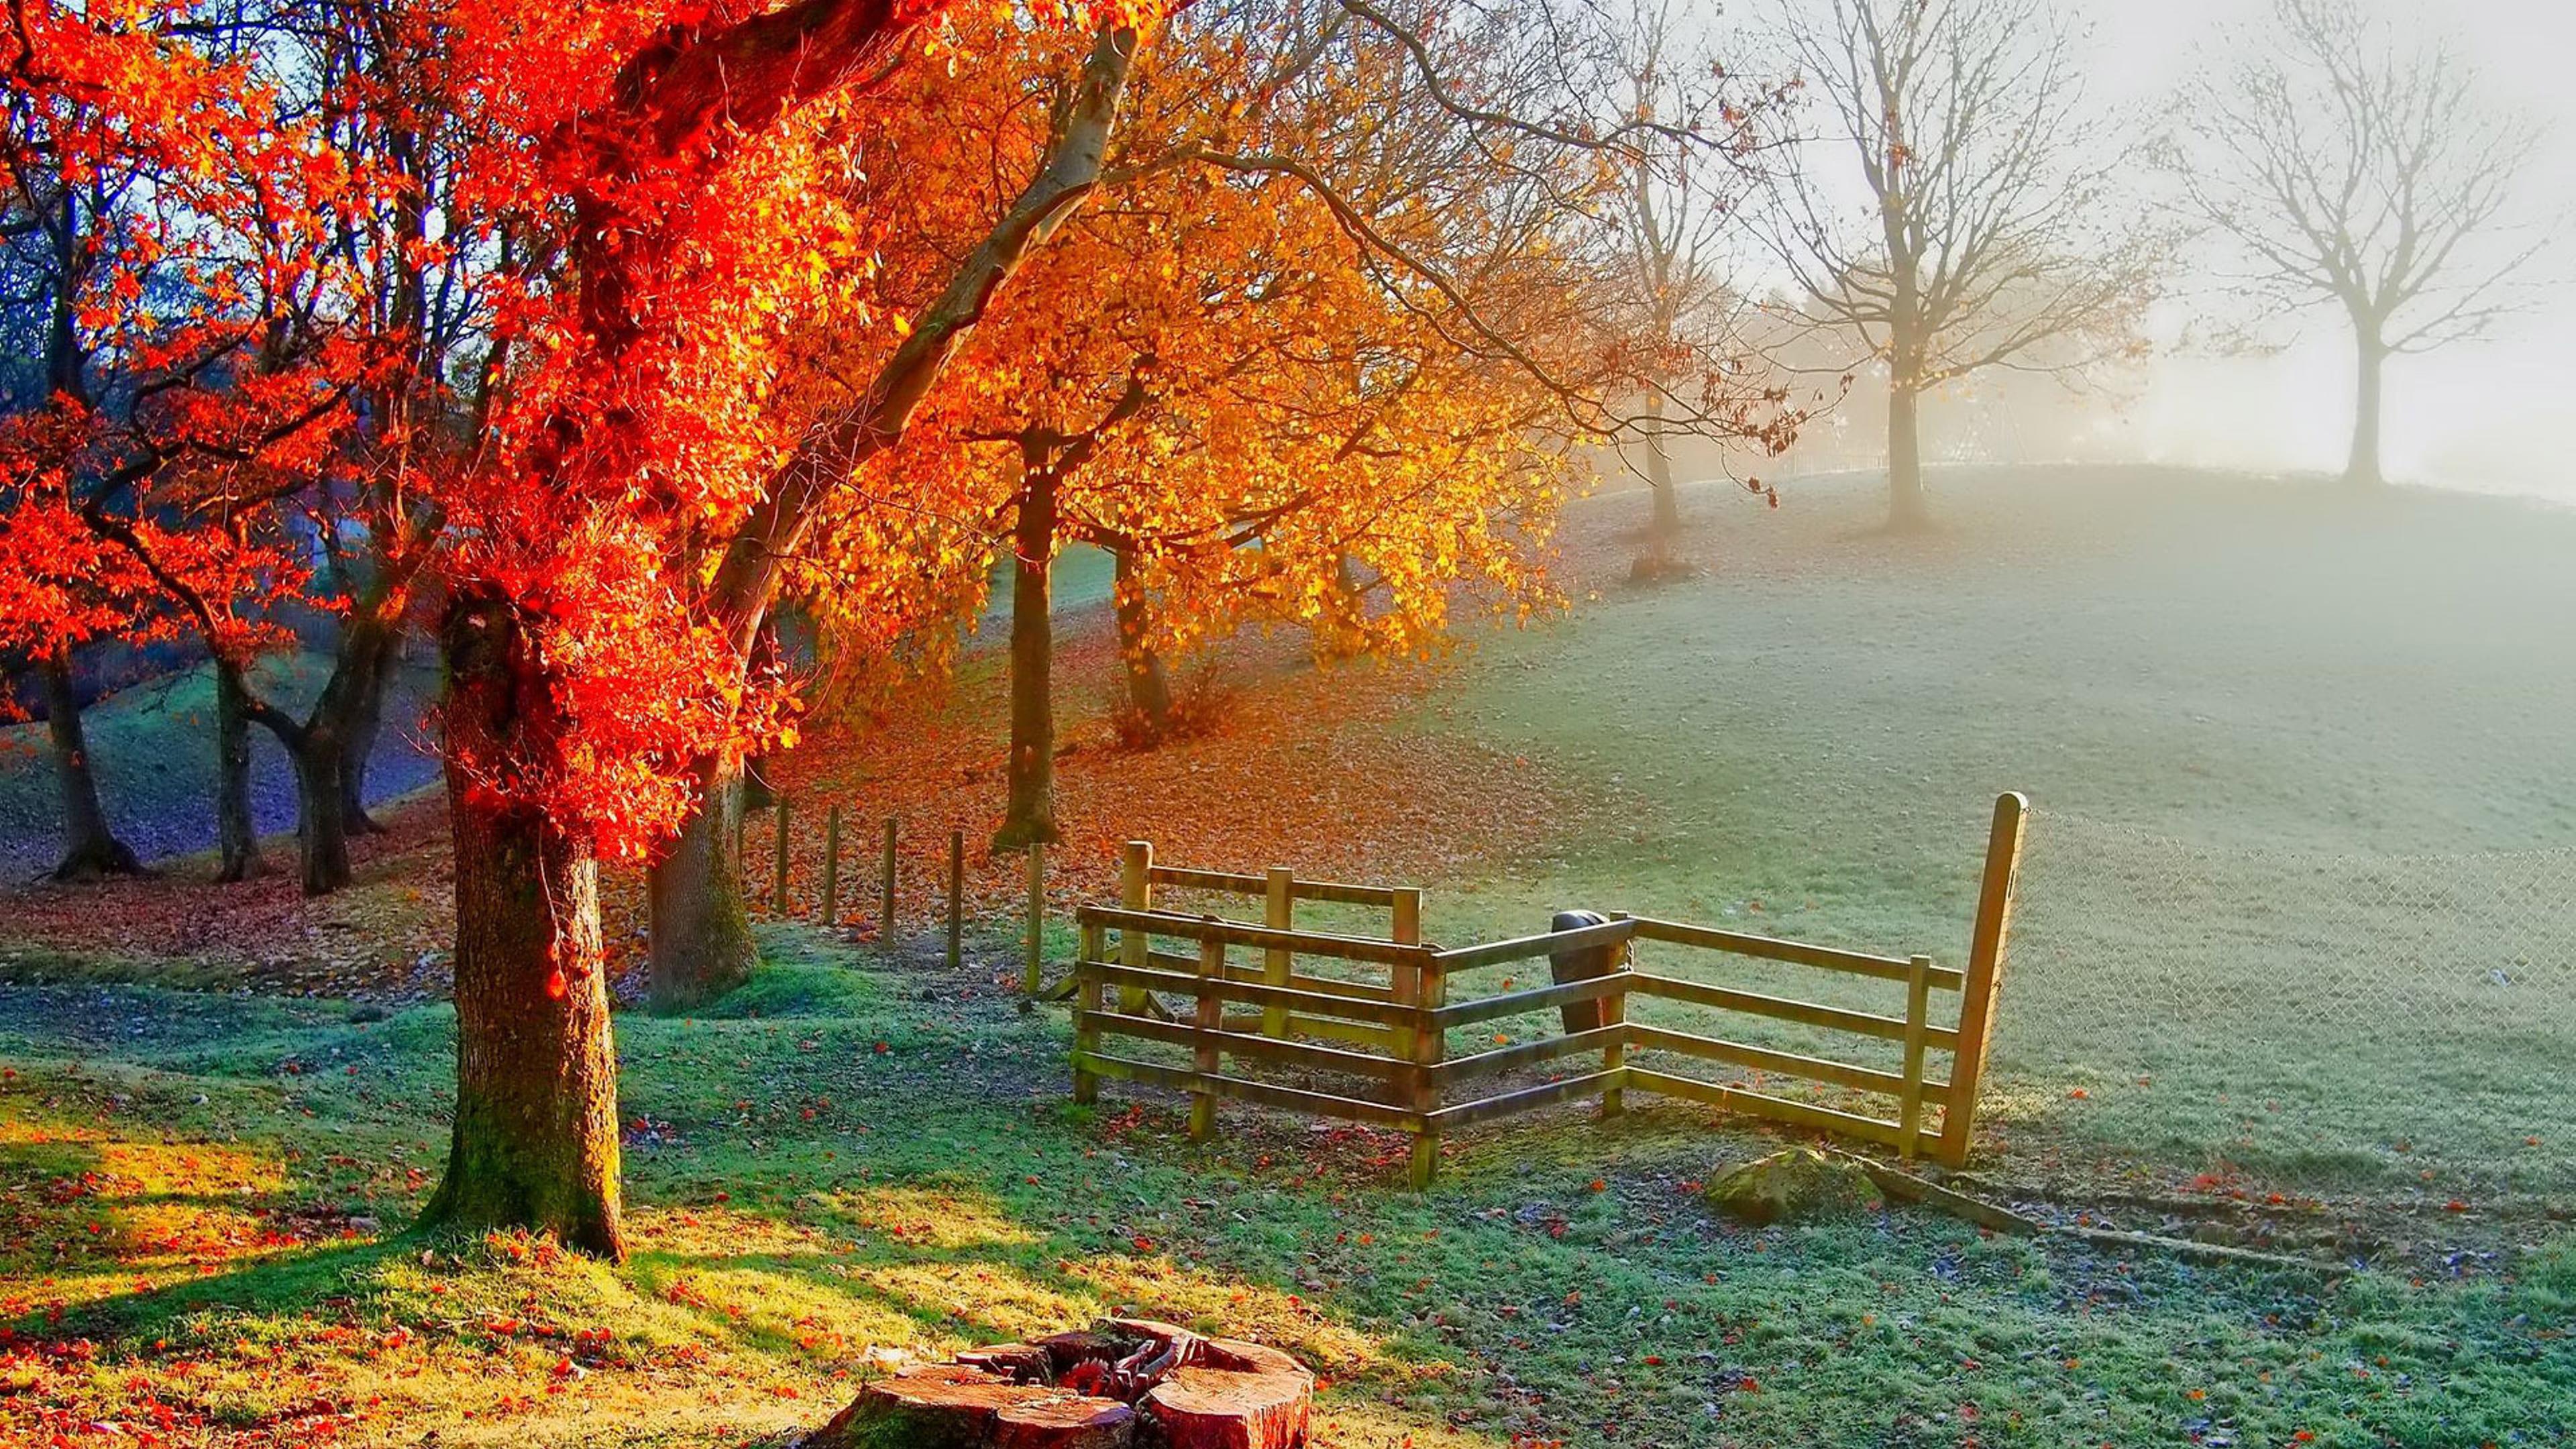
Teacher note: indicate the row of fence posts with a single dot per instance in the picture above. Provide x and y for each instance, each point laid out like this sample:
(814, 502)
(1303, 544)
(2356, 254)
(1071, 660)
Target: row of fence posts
(1034, 946)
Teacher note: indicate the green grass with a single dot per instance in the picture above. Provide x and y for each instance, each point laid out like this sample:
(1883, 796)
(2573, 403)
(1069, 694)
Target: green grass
(1810, 738)
(852, 1157)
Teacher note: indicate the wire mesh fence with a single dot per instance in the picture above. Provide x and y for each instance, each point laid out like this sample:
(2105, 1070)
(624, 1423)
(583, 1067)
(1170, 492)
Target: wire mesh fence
(2322, 1011)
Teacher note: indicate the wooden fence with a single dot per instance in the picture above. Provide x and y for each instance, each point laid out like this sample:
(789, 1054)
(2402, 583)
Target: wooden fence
(1371, 1042)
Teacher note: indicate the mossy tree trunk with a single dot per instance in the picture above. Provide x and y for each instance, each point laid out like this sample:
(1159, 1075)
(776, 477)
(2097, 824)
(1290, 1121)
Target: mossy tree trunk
(366, 725)
(321, 744)
(534, 1142)
(320, 756)
(1029, 814)
(702, 945)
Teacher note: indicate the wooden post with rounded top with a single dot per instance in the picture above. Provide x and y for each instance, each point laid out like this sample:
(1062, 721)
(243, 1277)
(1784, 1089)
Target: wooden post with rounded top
(1136, 893)
(1405, 928)
(1614, 1012)
(1279, 913)
(1984, 977)
(956, 899)
(885, 904)
(1033, 970)
(1918, 1004)
(1086, 1009)
(1209, 1017)
(831, 867)
(1430, 985)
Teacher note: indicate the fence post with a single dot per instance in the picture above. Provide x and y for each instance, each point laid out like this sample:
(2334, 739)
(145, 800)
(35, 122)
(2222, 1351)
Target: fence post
(778, 901)
(1984, 975)
(1136, 893)
(1033, 970)
(1405, 977)
(1279, 913)
(1918, 1005)
(1614, 1012)
(831, 867)
(1431, 992)
(1203, 1058)
(885, 911)
(956, 899)
(1086, 1009)
(1406, 927)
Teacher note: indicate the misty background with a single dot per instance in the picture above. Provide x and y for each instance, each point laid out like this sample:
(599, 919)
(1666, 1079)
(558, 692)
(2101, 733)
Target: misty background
(2483, 415)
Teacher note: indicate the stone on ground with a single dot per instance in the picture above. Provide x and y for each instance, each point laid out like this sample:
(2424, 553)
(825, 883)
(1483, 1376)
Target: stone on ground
(1797, 1185)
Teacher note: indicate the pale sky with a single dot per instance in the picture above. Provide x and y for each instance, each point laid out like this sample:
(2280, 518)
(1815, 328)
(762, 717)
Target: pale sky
(2493, 414)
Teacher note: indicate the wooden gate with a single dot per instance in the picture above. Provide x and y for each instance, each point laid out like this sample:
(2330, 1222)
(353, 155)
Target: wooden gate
(1369, 1022)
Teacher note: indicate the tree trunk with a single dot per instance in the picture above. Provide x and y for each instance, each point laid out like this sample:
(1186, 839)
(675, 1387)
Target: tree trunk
(753, 782)
(2363, 468)
(701, 933)
(1667, 523)
(1030, 812)
(319, 748)
(1664, 522)
(534, 1143)
(236, 828)
(1149, 685)
(700, 942)
(366, 723)
(320, 756)
(1906, 509)
(753, 785)
(90, 848)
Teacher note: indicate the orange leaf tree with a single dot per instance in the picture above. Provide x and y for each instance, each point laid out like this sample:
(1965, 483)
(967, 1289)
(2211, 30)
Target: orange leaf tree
(1458, 152)
(660, 210)
(163, 209)
(1270, 373)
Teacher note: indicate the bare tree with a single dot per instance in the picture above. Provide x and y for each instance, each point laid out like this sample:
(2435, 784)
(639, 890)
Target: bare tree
(1668, 236)
(2351, 169)
(1988, 233)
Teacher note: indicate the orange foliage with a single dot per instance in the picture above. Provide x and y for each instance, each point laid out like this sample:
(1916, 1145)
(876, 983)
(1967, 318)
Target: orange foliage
(1219, 371)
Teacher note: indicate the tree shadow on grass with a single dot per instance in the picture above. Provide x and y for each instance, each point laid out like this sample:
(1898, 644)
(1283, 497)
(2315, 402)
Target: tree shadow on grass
(296, 1284)
(941, 1266)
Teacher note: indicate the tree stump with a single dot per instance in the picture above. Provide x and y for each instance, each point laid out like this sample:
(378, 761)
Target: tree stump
(1127, 1384)
(1243, 1397)
(1066, 1423)
(957, 1406)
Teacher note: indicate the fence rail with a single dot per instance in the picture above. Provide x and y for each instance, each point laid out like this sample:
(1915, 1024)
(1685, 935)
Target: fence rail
(1388, 1065)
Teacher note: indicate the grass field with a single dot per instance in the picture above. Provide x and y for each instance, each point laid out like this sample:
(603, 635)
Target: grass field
(831, 1172)
(2262, 674)
(2225, 689)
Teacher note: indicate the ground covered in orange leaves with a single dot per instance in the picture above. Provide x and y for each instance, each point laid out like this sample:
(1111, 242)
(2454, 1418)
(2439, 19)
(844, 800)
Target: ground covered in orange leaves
(1342, 774)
